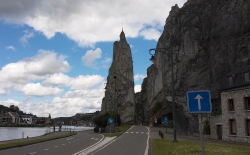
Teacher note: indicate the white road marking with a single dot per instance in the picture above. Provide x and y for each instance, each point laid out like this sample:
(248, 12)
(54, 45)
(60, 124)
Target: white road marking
(142, 132)
(33, 153)
(46, 149)
(126, 132)
(68, 142)
(97, 145)
(131, 132)
(146, 151)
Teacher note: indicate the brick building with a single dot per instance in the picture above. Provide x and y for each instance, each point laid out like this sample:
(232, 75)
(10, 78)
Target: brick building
(234, 122)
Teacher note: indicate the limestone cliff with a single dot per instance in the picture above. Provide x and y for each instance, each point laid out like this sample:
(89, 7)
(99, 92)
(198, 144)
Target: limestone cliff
(209, 39)
(119, 94)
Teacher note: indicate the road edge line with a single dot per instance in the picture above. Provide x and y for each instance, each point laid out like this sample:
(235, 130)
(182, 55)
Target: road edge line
(146, 151)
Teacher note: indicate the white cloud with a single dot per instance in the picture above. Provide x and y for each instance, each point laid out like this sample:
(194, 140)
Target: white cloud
(57, 79)
(85, 82)
(138, 77)
(107, 60)
(79, 82)
(34, 68)
(16, 76)
(88, 22)
(137, 88)
(77, 101)
(36, 89)
(150, 34)
(91, 56)
(11, 48)
(25, 37)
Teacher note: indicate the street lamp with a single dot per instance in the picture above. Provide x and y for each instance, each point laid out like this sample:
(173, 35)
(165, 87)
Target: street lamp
(172, 72)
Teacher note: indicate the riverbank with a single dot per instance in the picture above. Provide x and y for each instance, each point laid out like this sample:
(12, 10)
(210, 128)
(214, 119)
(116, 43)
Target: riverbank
(25, 125)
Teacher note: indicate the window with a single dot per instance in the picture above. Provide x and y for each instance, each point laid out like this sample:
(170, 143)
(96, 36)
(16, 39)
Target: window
(230, 81)
(248, 127)
(247, 103)
(231, 105)
(232, 127)
(246, 76)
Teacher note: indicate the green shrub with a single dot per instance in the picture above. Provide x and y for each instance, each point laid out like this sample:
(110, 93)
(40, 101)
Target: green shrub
(96, 129)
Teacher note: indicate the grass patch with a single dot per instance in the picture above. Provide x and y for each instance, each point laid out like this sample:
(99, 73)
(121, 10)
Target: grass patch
(121, 129)
(32, 141)
(164, 147)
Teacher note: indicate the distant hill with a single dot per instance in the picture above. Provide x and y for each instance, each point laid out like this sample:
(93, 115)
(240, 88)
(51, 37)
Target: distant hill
(12, 108)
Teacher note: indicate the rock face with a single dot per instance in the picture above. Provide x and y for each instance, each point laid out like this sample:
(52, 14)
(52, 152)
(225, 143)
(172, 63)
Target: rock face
(119, 94)
(209, 39)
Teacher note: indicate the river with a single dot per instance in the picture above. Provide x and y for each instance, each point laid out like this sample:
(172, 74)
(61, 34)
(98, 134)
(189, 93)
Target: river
(9, 133)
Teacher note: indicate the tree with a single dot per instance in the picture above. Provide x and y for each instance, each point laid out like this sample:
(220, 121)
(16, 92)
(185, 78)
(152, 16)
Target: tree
(12, 108)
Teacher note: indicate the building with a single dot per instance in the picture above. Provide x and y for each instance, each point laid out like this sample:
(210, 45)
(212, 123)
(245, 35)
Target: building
(11, 117)
(26, 119)
(234, 122)
(48, 120)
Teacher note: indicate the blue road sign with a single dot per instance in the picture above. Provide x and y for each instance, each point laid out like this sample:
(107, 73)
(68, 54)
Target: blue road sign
(199, 101)
(165, 120)
(110, 121)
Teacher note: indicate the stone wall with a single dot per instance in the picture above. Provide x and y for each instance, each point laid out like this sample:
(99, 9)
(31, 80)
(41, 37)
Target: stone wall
(214, 121)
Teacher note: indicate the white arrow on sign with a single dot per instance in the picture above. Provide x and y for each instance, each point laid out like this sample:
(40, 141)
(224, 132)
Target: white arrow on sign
(198, 97)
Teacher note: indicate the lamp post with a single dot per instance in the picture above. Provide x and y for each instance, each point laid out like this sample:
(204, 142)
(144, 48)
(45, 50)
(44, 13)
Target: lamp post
(173, 92)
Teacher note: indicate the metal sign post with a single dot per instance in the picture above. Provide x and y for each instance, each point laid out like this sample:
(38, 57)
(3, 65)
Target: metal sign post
(201, 134)
(199, 102)
(165, 121)
(110, 121)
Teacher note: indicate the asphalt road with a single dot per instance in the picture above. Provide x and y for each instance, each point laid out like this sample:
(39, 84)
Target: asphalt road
(63, 146)
(132, 142)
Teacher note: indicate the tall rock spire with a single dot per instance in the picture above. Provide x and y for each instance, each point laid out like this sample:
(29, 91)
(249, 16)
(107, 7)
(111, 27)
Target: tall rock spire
(122, 36)
(119, 94)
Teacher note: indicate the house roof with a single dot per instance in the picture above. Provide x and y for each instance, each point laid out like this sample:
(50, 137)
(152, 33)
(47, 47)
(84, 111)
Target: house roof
(15, 114)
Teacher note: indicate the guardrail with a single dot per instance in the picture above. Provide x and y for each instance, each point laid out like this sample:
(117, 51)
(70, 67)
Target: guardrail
(47, 131)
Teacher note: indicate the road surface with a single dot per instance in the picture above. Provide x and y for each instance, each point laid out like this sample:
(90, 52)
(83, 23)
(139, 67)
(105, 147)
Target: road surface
(63, 146)
(132, 142)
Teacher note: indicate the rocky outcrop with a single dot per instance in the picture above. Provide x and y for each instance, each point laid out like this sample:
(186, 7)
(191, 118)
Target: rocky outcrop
(119, 94)
(209, 39)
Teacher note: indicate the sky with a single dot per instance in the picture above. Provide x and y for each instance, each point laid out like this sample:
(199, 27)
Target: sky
(55, 55)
